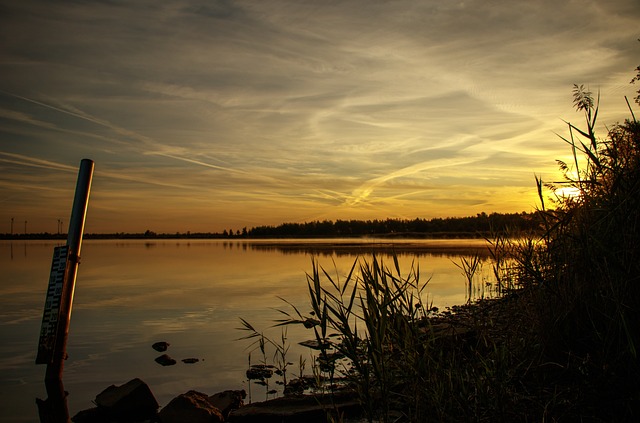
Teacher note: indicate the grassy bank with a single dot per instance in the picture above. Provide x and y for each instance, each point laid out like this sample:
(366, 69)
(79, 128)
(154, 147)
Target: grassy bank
(560, 344)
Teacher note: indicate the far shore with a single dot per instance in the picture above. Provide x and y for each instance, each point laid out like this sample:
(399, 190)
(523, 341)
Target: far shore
(395, 236)
(390, 245)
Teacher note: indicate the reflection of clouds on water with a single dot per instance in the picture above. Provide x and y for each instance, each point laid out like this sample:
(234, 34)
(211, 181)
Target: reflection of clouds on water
(12, 360)
(191, 294)
(15, 317)
(188, 321)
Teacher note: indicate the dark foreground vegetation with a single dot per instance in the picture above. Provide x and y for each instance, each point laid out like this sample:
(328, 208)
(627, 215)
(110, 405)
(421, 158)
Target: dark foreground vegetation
(560, 343)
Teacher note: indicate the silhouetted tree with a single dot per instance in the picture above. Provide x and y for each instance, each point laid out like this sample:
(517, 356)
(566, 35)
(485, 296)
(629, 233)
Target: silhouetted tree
(480, 225)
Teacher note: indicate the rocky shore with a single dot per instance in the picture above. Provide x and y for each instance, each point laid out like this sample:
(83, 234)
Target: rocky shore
(134, 402)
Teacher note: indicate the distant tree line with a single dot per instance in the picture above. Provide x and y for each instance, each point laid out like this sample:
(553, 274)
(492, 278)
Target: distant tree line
(481, 225)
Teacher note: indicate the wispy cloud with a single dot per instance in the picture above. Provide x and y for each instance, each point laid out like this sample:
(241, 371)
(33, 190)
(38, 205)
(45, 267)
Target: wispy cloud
(363, 192)
(19, 159)
(269, 111)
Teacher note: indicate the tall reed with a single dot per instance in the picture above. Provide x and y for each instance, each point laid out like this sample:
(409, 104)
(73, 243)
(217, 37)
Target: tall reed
(377, 313)
(592, 247)
(586, 267)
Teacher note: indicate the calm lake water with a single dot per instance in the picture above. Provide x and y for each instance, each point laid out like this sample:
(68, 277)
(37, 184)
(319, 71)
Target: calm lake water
(130, 294)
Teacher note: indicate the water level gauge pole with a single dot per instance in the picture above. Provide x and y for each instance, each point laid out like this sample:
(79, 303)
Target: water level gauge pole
(55, 362)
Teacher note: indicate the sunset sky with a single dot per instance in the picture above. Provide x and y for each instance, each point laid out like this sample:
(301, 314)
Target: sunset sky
(205, 115)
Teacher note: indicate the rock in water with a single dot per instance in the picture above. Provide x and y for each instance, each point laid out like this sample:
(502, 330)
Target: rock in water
(133, 400)
(160, 346)
(165, 360)
(228, 400)
(192, 407)
(259, 372)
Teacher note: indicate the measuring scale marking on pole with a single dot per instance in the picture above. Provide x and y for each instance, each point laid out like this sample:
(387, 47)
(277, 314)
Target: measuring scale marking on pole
(52, 305)
(60, 290)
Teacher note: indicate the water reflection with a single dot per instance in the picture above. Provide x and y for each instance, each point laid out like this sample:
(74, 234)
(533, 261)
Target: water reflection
(360, 247)
(11, 253)
(131, 294)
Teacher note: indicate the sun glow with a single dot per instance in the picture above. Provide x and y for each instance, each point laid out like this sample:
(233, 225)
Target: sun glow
(569, 192)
